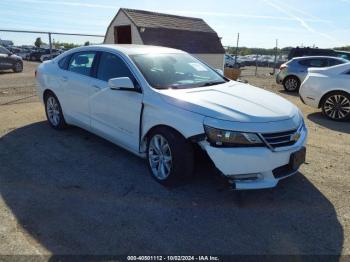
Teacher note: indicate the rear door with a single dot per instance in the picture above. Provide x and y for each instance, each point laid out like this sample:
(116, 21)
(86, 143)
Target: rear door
(77, 88)
(116, 113)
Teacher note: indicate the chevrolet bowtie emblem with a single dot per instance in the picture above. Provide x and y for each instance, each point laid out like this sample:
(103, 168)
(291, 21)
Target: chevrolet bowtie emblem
(295, 137)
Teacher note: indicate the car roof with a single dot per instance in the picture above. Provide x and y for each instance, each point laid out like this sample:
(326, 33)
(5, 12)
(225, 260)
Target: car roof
(317, 57)
(131, 49)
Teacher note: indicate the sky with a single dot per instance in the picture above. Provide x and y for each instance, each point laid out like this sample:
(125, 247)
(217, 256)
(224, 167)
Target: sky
(320, 23)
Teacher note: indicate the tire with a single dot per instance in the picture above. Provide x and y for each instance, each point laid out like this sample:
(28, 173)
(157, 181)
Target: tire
(336, 106)
(291, 84)
(18, 67)
(175, 157)
(54, 112)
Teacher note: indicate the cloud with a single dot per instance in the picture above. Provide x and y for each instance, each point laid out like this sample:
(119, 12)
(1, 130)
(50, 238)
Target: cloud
(180, 12)
(302, 21)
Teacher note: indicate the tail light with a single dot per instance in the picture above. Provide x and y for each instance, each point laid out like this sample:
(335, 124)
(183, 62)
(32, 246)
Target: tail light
(284, 66)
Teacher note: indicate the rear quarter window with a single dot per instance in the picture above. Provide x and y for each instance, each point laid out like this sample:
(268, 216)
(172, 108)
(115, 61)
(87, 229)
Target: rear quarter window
(333, 62)
(63, 62)
(315, 62)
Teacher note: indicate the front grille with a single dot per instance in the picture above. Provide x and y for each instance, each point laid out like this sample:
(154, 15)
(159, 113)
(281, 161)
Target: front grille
(280, 139)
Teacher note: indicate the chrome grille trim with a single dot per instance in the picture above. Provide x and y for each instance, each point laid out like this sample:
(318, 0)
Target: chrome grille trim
(280, 139)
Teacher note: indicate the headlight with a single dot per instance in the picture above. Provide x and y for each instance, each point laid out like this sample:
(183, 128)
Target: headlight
(227, 138)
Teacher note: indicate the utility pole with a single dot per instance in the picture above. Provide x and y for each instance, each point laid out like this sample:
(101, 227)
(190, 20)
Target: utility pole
(237, 49)
(275, 64)
(50, 44)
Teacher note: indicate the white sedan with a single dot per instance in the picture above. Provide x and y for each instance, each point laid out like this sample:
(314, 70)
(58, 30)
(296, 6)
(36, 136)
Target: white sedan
(159, 103)
(328, 88)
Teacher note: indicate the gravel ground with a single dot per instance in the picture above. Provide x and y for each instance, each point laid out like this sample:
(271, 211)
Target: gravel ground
(71, 192)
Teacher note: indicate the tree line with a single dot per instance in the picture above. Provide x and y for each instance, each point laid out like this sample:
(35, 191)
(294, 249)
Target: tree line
(38, 43)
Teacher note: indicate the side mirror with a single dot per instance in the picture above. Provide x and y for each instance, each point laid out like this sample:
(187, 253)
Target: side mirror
(121, 83)
(219, 71)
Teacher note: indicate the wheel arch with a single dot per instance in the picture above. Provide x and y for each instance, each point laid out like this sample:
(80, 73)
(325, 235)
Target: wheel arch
(331, 92)
(145, 137)
(47, 92)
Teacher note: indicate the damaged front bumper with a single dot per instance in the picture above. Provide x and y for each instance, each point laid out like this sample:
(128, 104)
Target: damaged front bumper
(257, 167)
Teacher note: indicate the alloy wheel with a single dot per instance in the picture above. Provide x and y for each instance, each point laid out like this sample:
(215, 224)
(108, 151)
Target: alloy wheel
(291, 84)
(159, 157)
(53, 111)
(337, 107)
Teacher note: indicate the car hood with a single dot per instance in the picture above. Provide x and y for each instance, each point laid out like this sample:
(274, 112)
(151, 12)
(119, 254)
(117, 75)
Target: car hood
(232, 101)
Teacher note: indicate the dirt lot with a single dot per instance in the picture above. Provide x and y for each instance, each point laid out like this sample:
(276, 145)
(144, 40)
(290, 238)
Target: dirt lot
(71, 192)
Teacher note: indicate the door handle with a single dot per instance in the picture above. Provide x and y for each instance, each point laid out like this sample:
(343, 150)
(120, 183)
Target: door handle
(64, 78)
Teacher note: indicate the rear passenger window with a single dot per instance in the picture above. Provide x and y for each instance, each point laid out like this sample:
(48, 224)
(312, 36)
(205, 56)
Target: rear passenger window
(111, 66)
(81, 63)
(333, 62)
(304, 62)
(314, 62)
(318, 63)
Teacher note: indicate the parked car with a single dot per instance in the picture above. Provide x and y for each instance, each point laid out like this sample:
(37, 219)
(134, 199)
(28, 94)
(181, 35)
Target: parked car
(343, 54)
(308, 51)
(10, 61)
(231, 62)
(329, 89)
(38, 54)
(161, 103)
(293, 73)
(24, 53)
(49, 56)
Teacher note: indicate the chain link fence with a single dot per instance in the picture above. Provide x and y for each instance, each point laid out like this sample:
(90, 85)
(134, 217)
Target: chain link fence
(20, 87)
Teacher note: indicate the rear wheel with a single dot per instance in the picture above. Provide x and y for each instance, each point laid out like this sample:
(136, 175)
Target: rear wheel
(170, 156)
(18, 67)
(291, 84)
(54, 112)
(336, 106)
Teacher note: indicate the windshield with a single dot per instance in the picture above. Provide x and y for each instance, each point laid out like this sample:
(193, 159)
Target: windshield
(163, 71)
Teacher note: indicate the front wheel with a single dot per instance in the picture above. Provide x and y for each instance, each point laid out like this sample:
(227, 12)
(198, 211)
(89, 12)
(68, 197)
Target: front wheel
(336, 106)
(54, 112)
(18, 67)
(170, 157)
(291, 84)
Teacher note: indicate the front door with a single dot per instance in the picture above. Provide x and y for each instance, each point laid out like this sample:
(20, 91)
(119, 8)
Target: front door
(116, 113)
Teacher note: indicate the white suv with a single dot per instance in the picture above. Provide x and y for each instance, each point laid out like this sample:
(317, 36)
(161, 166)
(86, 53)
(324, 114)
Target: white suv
(159, 102)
